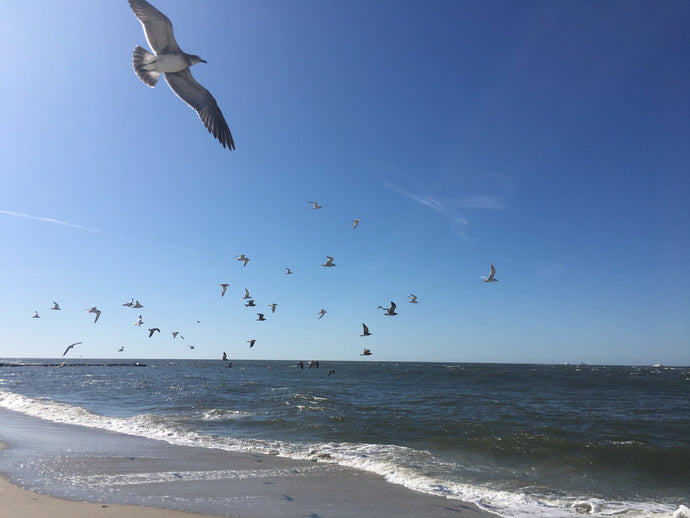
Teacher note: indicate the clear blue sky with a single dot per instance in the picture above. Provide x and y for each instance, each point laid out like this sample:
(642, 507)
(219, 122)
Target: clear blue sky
(551, 139)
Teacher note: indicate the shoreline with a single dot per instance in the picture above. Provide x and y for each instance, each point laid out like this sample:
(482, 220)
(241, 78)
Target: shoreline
(92, 472)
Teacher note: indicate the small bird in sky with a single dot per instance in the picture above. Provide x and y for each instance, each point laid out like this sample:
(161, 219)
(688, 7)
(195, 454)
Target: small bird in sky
(139, 321)
(288, 271)
(366, 352)
(225, 356)
(192, 347)
(491, 278)
(250, 303)
(121, 349)
(170, 60)
(251, 343)
(246, 294)
(365, 331)
(96, 311)
(322, 313)
(273, 307)
(390, 312)
(355, 222)
(316, 205)
(36, 315)
(413, 299)
(70, 346)
(153, 330)
(243, 258)
(225, 287)
(261, 317)
(129, 304)
(56, 306)
(175, 333)
(329, 262)
(137, 305)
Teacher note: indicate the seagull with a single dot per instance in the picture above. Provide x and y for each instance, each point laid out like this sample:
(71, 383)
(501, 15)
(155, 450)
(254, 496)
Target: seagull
(225, 356)
(250, 303)
(153, 330)
(243, 258)
(490, 278)
(365, 330)
(332, 371)
(273, 307)
(70, 346)
(316, 205)
(389, 311)
(261, 317)
(246, 294)
(137, 305)
(121, 349)
(288, 271)
(129, 304)
(329, 263)
(175, 333)
(192, 347)
(413, 299)
(56, 306)
(139, 321)
(366, 352)
(170, 60)
(251, 343)
(36, 315)
(322, 313)
(225, 287)
(96, 311)
(355, 222)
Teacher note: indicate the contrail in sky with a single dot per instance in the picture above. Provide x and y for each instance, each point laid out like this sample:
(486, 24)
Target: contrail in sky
(49, 220)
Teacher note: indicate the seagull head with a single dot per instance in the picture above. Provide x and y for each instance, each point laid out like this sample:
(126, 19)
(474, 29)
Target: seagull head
(196, 59)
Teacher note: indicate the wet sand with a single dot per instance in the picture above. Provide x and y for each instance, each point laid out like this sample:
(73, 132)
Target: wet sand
(79, 464)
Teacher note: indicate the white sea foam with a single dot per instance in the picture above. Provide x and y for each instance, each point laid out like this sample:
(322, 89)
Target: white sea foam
(397, 464)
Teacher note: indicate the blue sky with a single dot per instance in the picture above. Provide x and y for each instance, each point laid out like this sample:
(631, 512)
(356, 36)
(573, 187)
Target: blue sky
(547, 138)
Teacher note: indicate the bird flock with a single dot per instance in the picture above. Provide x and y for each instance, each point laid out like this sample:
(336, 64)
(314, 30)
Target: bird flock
(250, 302)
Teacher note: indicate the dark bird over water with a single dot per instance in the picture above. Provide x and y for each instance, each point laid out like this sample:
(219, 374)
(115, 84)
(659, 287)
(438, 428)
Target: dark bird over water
(70, 346)
(365, 330)
(153, 330)
(170, 60)
(366, 352)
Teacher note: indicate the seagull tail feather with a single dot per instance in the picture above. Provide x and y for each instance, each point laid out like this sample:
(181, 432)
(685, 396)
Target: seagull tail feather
(140, 59)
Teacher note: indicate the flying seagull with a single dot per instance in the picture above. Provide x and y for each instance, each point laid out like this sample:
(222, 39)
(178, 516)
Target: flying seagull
(153, 330)
(170, 60)
(250, 303)
(139, 321)
(129, 304)
(366, 352)
(137, 305)
(490, 278)
(322, 313)
(70, 346)
(261, 317)
(251, 343)
(225, 287)
(121, 349)
(365, 331)
(329, 263)
(316, 205)
(389, 311)
(243, 258)
(96, 311)
(288, 271)
(355, 222)
(246, 294)
(413, 299)
(273, 307)
(36, 315)
(56, 306)
(225, 356)
(175, 333)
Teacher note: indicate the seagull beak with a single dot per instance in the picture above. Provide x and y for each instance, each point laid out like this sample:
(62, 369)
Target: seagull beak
(204, 61)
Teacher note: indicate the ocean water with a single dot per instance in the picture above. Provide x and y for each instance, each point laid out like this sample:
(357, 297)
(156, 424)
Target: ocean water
(518, 440)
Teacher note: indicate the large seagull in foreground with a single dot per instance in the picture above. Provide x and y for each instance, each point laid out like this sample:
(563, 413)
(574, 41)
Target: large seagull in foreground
(170, 60)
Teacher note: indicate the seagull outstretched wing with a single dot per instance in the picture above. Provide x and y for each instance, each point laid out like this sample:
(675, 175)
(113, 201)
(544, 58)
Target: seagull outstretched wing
(157, 27)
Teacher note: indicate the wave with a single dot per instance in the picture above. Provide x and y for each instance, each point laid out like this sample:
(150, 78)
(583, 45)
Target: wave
(397, 464)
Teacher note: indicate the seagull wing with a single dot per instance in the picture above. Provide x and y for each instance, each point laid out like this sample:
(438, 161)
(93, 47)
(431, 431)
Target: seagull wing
(493, 272)
(157, 27)
(196, 96)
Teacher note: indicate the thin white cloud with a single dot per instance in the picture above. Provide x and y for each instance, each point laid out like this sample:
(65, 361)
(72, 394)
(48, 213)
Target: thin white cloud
(49, 220)
(424, 200)
(482, 202)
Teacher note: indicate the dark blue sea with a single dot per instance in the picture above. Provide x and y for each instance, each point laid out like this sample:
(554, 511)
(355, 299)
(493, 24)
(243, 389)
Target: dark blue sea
(518, 440)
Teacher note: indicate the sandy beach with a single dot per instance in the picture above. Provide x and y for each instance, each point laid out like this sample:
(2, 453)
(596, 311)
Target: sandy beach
(89, 472)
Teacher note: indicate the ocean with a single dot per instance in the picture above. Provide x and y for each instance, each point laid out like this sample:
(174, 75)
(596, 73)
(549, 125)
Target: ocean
(517, 440)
